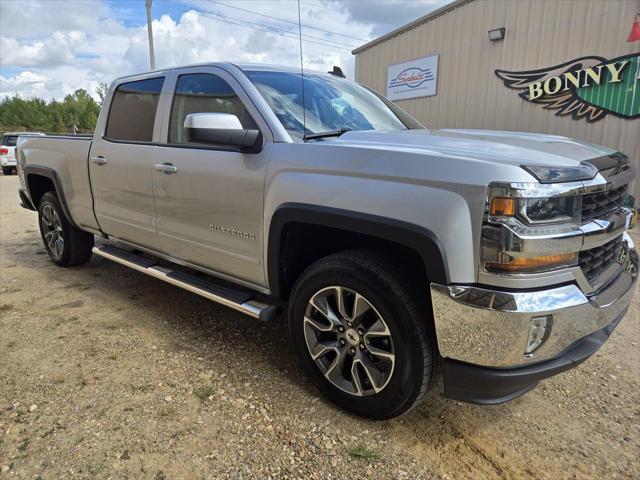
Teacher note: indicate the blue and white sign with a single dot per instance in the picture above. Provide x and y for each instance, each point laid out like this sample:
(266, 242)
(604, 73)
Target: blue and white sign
(417, 78)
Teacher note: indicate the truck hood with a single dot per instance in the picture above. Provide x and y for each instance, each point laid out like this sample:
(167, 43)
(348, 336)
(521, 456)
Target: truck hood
(509, 148)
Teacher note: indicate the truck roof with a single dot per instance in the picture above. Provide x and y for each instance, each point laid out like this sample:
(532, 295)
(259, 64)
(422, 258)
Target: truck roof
(23, 133)
(240, 66)
(270, 68)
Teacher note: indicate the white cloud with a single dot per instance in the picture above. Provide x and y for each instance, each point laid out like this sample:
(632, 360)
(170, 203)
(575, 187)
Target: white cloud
(34, 18)
(25, 82)
(58, 49)
(49, 49)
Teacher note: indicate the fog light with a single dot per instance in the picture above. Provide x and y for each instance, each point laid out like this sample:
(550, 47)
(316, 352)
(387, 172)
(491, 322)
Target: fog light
(539, 331)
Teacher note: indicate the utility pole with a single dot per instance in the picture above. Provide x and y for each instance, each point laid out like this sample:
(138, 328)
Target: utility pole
(152, 55)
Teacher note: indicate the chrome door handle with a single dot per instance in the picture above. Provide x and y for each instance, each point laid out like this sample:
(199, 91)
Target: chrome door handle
(99, 160)
(167, 168)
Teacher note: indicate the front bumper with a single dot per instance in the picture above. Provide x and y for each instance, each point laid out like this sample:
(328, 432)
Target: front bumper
(483, 385)
(486, 330)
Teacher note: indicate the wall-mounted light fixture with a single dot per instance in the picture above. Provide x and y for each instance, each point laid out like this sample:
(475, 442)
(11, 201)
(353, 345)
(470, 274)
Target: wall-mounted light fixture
(496, 34)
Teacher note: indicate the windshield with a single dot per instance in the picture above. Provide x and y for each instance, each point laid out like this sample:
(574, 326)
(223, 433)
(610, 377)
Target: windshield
(332, 104)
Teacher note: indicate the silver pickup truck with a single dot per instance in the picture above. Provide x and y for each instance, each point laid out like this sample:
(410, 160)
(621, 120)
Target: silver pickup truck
(492, 259)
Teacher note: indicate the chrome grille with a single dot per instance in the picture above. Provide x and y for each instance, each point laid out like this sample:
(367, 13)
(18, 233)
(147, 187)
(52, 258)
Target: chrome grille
(596, 260)
(596, 205)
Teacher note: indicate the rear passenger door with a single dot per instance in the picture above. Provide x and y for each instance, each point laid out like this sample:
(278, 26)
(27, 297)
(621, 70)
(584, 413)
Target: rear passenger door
(210, 208)
(120, 163)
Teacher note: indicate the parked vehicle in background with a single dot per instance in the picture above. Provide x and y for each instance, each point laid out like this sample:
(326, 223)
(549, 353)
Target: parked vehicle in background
(498, 258)
(8, 150)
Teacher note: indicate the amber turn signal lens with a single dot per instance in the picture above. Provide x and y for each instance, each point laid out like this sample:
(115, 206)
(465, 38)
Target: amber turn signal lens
(525, 264)
(503, 207)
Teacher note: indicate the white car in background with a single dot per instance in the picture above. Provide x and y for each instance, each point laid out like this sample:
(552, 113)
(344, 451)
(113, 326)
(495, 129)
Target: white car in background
(8, 150)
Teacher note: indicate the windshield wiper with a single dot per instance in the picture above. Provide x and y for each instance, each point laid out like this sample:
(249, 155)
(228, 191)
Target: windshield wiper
(332, 133)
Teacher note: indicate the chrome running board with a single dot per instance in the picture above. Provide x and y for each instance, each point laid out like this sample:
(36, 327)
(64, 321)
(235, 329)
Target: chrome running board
(241, 300)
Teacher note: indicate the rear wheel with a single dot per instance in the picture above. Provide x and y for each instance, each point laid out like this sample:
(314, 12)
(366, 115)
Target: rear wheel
(66, 245)
(361, 336)
(7, 170)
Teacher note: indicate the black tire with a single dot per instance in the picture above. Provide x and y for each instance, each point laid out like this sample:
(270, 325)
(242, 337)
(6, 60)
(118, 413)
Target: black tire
(7, 170)
(381, 283)
(76, 244)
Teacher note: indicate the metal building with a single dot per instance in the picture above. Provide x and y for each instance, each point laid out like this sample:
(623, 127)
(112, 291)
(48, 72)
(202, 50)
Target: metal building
(565, 67)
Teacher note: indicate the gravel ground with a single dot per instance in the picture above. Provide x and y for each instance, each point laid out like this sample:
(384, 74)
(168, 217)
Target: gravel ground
(107, 373)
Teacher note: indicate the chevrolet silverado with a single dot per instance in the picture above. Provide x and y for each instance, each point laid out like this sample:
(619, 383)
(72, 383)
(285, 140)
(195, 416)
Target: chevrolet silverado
(493, 259)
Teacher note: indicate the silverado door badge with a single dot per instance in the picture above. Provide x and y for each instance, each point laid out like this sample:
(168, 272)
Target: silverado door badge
(233, 232)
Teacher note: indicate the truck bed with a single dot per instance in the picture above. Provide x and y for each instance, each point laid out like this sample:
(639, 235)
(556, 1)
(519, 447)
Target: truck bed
(67, 156)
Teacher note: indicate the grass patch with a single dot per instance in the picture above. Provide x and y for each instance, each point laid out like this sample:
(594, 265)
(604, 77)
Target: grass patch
(168, 411)
(363, 453)
(143, 388)
(180, 433)
(95, 468)
(20, 417)
(204, 392)
(62, 321)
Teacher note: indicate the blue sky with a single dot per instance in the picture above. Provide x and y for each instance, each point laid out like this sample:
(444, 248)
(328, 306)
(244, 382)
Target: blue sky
(49, 48)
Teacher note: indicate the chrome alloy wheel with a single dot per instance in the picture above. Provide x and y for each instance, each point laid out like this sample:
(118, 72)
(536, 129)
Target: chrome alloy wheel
(349, 341)
(52, 230)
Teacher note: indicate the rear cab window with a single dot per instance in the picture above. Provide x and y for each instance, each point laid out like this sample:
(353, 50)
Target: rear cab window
(9, 140)
(133, 111)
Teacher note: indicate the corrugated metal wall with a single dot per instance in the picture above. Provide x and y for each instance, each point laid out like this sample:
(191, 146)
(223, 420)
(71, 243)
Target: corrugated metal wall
(539, 33)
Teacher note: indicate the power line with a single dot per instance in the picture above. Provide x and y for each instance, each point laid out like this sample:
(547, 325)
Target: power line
(267, 29)
(287, 21)
(278, 29)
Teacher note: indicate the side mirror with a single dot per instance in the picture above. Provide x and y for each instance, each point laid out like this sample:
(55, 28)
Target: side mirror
(223, 129)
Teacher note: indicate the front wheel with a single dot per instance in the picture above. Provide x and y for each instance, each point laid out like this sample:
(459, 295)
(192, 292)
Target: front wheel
(66, 245)
(361, 336)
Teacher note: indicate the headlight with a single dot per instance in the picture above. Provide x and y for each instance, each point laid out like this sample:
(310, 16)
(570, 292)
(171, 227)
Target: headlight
(535, 211)
(521, 223)
(545, 174)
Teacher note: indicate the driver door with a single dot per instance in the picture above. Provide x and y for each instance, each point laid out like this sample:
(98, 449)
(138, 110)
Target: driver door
(209, 201)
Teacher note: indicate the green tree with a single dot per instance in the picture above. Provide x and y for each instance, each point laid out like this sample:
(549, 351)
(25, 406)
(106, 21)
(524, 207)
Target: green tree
(78, 109)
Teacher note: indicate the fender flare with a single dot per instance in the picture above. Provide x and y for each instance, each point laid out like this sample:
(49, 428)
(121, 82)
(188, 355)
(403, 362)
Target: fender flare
(422, 240)
(52, 175)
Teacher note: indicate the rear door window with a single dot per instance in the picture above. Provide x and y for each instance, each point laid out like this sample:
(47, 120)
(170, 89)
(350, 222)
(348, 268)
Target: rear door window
(133, 110)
